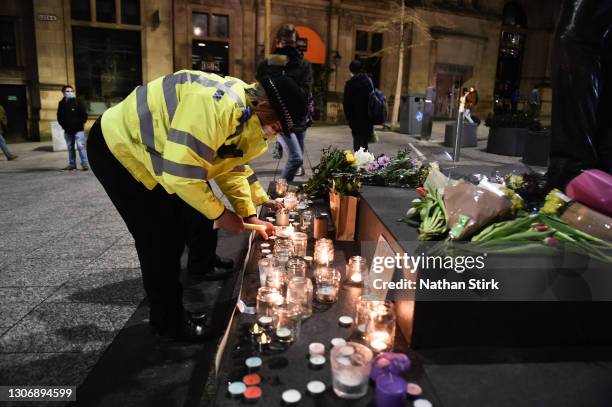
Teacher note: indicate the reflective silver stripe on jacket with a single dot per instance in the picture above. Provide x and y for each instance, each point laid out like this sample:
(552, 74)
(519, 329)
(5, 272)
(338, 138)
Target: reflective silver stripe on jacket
(188, 140)
(161, 165)
(144, 117)
(170, 82)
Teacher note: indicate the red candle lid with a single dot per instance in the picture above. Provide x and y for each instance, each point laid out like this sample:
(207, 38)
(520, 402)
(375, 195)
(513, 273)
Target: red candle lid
(251, 379)
(252, 393)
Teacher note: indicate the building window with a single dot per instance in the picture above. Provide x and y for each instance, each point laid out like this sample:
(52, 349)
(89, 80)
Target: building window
(80, 10)
(105, 11)
(207, 25)
(107, 65)
(130, 12)
(219, 26)
(367, 45)
(210, 45)
(8, 44)
(199, 22)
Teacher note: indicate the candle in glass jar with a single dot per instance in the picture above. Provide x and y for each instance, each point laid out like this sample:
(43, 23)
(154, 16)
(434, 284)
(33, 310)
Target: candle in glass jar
(379, 341)
(282, 217)
(281, 186)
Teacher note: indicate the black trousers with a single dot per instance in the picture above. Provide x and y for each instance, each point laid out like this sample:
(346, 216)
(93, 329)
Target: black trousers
(582, 90)
(158, 221)
(361, 138)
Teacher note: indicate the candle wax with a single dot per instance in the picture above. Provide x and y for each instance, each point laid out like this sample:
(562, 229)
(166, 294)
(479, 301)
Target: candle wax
(283, 332)
(356, 277)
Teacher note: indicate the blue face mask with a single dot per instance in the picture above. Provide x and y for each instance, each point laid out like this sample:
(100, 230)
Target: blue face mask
(69, 95)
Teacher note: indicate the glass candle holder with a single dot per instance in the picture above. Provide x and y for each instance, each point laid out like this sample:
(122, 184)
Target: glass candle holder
(328, 284)
(296, 266)
(290, 201)
(300, 243)
(364, 311)
(299, 291)
(356, 270)
(264, 266)
(282, 217)
(283, 250)
(324, 252)
(380, 328)
(267, 299)
(351, 365)
(306, 218)
(277, 279)
(287, 322)
(281, 187)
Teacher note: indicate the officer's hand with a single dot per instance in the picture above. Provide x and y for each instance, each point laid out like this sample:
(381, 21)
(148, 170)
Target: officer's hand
(270, 229)
(230, 222)
(273, 204)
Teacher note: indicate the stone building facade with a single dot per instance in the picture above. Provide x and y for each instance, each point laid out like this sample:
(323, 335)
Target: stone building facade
(107, 47)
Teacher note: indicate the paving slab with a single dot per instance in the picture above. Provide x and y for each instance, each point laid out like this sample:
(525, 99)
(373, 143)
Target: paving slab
(41, 271)
(107, 286)
(117, 256)
(48, 369)
(74, 247)
(10, 295)
(66, 327)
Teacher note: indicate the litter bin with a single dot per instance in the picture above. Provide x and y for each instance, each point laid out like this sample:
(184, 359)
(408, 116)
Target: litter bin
(428, 113)
(411, 113)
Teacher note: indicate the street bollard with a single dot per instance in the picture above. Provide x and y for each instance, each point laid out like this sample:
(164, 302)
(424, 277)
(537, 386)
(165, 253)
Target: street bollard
(459, 131)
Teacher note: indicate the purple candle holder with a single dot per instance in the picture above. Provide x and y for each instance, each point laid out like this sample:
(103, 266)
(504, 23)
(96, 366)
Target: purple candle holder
(389, 362)
(390, 391)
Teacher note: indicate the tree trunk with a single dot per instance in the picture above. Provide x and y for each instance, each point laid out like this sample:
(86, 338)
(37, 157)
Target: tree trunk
(400, 71)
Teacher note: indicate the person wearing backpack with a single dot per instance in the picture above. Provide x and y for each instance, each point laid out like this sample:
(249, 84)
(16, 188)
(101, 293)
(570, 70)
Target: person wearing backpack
(288, 60)
(356, 101)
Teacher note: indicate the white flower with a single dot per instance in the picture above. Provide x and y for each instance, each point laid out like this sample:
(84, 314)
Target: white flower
(362, 159)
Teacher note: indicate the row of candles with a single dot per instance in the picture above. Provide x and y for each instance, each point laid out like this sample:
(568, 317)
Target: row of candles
(286, 294)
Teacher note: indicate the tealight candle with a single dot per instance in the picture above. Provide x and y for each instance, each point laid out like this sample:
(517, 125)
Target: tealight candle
(345, 321)
(291, 396)
(338, 342)
(317, 361)
(253, 362)
(235, 389)
(356, 269)
(283, 333)
(316, 348)
(265, 321)
(281, 186)
(380, 328)
(414, 390)
(315, 387)
(422, 403)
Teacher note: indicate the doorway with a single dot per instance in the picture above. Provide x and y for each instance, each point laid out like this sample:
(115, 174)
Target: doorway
(13, 100)
(448, 87)
(210, 56)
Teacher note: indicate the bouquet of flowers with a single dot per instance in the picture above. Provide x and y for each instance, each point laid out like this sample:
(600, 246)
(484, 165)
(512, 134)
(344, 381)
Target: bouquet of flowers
(400, 171)
(333, 161)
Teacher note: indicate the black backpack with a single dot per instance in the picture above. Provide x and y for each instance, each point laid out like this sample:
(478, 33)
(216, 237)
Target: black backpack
(377, 105)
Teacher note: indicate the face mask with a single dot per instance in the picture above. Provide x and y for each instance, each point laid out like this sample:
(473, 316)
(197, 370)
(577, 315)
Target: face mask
(69, 95)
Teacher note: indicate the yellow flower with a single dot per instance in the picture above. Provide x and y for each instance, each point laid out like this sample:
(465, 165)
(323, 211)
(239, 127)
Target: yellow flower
(349, 156)
(517, 202)
(516, 182)
(552, 203)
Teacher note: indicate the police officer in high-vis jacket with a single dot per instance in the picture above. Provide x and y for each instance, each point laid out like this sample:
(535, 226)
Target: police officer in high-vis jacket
(156, 151)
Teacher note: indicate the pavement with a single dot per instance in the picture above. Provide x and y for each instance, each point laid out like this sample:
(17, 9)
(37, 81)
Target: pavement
(69, 273)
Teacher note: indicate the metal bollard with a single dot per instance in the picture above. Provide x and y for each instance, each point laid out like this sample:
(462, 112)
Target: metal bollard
(459, 131)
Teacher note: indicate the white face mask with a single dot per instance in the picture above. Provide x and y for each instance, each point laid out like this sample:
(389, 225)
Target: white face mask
(69, 95)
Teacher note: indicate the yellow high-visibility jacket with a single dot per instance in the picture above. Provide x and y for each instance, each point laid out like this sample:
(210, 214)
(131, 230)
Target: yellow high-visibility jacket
(170, 130)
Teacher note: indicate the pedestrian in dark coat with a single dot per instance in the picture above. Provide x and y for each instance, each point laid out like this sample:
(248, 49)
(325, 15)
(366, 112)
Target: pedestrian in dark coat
(356, 98)
(72, 115)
